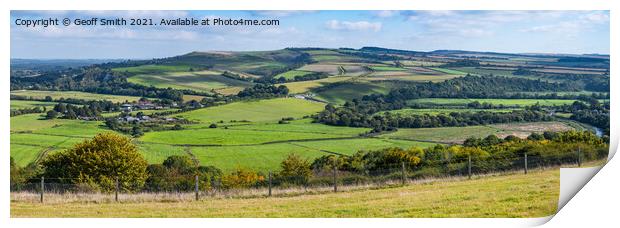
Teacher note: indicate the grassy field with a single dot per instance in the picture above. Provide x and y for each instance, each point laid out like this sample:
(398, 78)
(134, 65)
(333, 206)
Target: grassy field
(459, 134)
(511, 195)
(31, 135)
(343, 92)
(256, 111)
(204, 81)
(21, 104)
(39, 94)
(507, 102)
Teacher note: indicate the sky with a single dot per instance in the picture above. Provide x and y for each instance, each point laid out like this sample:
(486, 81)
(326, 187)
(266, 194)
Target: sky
(569, 32)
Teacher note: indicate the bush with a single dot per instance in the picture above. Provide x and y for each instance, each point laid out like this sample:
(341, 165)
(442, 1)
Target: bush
(98, 162)
(241, 178)
(295, 169)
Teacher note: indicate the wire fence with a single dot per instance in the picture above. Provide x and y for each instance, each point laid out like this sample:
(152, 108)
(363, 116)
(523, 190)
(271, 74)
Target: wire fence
(332, 179)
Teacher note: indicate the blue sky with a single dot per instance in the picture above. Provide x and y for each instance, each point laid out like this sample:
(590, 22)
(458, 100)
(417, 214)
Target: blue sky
(575, 32)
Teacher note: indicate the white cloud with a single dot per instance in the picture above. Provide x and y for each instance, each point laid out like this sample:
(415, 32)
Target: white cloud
(385, 13)
(353, 25)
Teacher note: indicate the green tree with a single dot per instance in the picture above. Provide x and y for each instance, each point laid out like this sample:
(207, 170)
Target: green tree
(295, 169)
(97, 162)
(51, 114)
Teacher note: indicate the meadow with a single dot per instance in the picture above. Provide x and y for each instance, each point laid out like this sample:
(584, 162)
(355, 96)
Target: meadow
(153, 69)
(39, 94)
(511, 195)
(23, 104)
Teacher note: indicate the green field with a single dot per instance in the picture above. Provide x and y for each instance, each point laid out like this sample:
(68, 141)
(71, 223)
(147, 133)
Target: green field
(31, 135)
(510, 195)
(40, 94)
(23, 104)
(386, 68)
(255, 111)
(507, 102)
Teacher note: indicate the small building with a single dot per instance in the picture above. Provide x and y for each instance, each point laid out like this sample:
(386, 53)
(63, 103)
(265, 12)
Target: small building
(126, 107)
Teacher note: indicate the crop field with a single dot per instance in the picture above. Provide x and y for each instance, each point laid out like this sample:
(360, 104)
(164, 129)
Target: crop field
(255, 111)
(199, 81)
(408, 76)
(153, 69)
(453, 135)
(507, 102)
(290, 75)
(40, 94)
(512, 195)
(332, 69)
(420, 63)
(306, 86)
(23, 104)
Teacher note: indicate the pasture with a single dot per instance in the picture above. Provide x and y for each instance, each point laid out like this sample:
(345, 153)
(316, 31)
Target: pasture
(31, 135)
(40, 94)
(306, 86)
(255, 111)
(342, 92)
(24, 104)
(291, 74)
(511, 195)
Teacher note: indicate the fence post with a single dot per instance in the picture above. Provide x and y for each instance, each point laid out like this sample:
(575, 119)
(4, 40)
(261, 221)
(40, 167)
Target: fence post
(335, 179)
(469, 166)
(403, 174)
(578, 156)
(196, 186)
(116, 190)
(525, 162)
(42, 188)
(269, 183)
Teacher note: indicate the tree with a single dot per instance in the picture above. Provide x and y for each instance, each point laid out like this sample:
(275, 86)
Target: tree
(296, 169)
(51, 114)
(97, 162)
(48, 98)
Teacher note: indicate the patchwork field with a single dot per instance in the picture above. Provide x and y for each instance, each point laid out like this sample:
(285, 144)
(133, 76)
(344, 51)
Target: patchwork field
(342, 92)
(153, 69)
(204, 81)
(40, 94)
(454, 135)
(510, 195)
(306, 86)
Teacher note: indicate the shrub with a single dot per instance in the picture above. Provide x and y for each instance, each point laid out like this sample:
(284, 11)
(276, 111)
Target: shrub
(241, 178)
(98, 162)
(295, 169)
